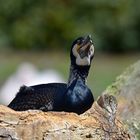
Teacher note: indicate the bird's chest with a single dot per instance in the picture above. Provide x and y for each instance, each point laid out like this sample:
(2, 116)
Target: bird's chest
(77, 92)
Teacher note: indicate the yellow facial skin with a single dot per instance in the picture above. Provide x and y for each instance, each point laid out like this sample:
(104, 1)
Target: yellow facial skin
(83, 61)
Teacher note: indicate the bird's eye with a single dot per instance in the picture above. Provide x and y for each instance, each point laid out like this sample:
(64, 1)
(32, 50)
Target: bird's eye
(79, 42)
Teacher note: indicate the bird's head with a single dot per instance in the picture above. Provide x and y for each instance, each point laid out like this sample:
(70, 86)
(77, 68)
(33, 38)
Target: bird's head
(82, 51)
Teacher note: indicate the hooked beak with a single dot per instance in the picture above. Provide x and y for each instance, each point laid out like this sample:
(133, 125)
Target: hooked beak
(85, 46)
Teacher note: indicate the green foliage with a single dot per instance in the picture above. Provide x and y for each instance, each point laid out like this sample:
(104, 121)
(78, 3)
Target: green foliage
(40, 24)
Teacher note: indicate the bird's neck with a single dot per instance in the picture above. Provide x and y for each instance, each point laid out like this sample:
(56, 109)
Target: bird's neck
(77, 72)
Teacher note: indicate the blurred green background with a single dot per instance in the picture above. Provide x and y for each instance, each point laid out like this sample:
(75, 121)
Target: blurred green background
(41, 32)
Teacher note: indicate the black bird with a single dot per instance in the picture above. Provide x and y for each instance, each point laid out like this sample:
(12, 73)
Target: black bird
(75, 96)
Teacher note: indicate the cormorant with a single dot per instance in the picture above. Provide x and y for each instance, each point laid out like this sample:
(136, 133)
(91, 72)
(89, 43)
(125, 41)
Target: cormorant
(75, 96)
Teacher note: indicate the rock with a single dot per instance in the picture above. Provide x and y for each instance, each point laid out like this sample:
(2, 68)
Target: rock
(98, 123)
(126, 89)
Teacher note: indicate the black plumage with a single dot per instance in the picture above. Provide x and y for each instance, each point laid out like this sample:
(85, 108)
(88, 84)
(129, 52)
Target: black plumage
(78, 97)
(75, 96)
(43, 97)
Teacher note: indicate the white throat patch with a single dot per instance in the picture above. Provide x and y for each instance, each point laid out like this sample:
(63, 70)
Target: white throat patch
(85, 61)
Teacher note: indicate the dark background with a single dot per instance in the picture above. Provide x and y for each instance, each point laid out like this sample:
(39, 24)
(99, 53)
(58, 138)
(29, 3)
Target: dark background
(46, 24)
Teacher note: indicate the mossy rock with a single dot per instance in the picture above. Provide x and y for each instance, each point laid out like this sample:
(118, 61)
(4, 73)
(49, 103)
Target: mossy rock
(126, 89)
